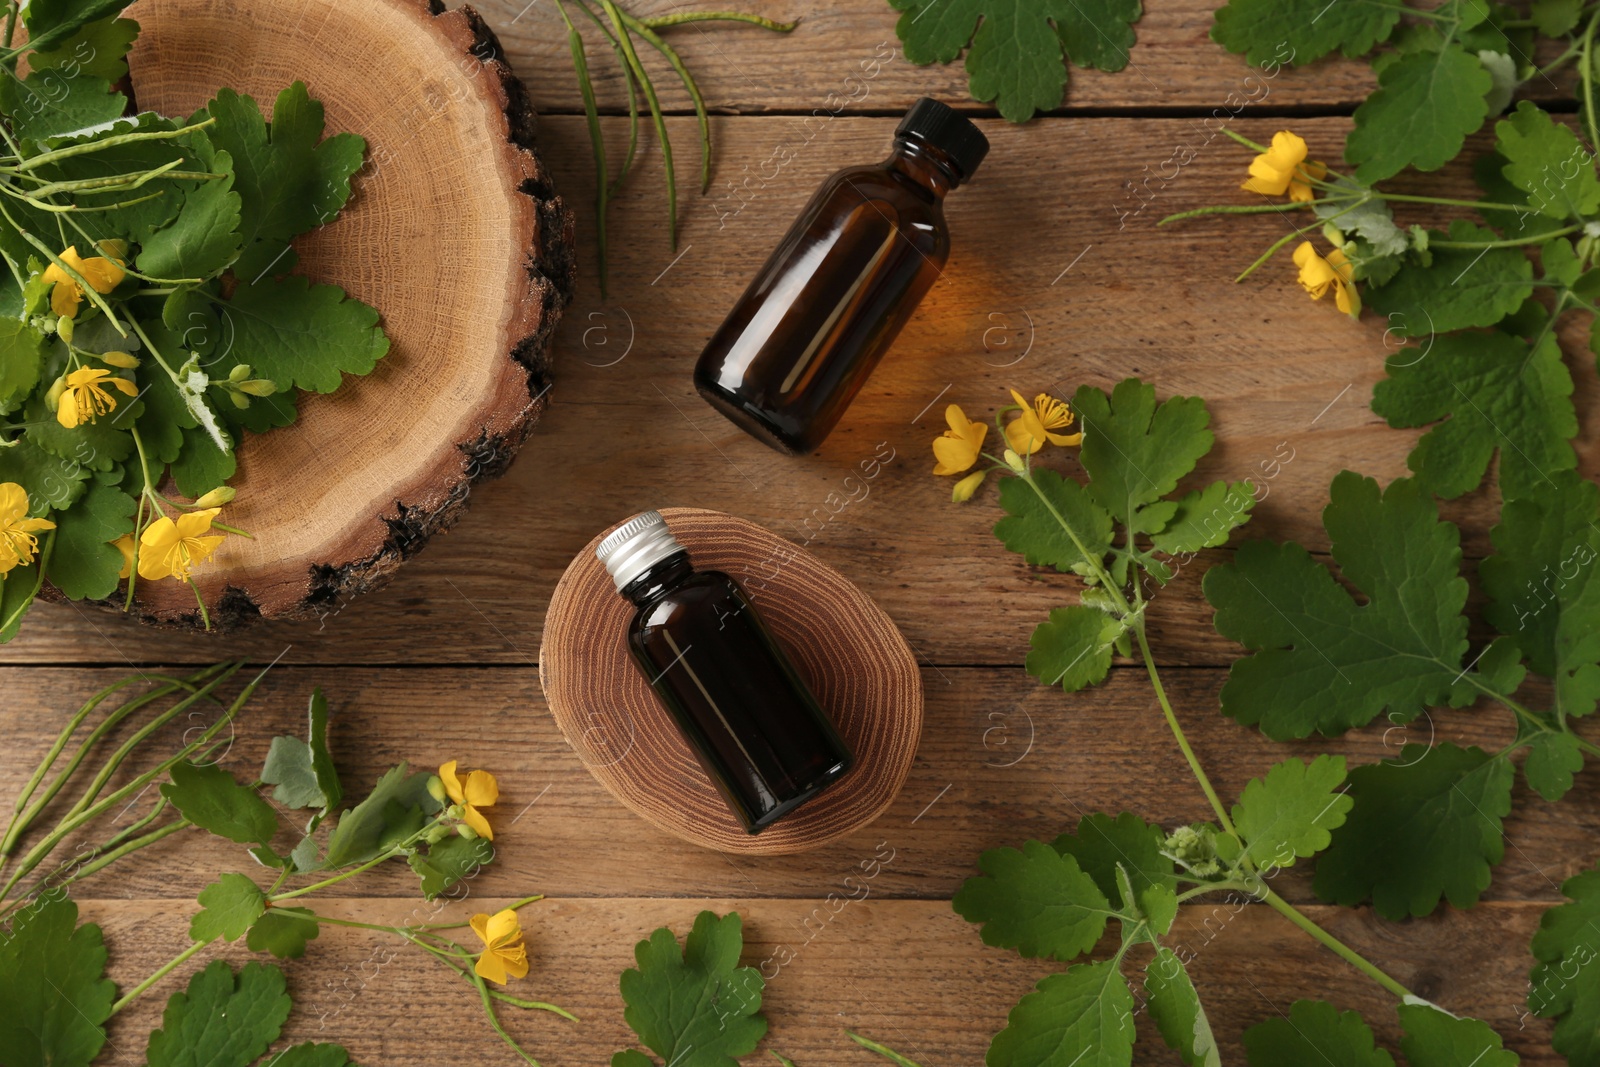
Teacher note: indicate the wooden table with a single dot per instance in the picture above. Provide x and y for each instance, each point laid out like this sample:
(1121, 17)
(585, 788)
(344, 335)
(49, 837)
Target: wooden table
(1059, 276)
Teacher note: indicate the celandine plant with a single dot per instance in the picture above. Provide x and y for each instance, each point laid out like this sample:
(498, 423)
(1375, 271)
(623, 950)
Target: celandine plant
(1125, 532)
(53, 967)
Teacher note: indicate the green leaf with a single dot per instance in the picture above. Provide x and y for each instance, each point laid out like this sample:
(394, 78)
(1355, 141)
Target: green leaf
(1278, 32)
(98, 445)
(1491, 391)
(50, 481)
(299, 334)
(1458, 288)
(448, 861)
(50, 22)
(1073, 649)
(695, 1006)
(303, 771)
(1324, 662)
(16, 594)
(1435, 1038)
(1314, 1032)
(1032, 530)
(1543, 589)
(1546, 160)
(287, 181)
(1135, 451)
(96, 49)
(283, 932)
(1101, 844)
(47, 103)
(222, 1020)
(1289, 814)
(53, 986)
(1178, 1014)
(1426, 824)
(1206, 517)
(1425, 106)
(84, 564)
(1552, 761)
(230, 906)
(213, 799)
(1488, 171)
(1565, 983)
(204, 238)
(1555, 17)
(21, 352)
(1036, 901)
(1080, 1018)
(201, 466)
(395, 809)
(1015, 58)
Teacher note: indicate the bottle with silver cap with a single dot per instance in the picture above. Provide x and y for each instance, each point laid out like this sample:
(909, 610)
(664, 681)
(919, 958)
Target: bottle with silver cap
(741, 704)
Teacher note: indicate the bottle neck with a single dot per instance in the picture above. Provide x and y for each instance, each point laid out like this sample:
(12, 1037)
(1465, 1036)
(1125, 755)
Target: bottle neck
(660, 578)
(925, 164)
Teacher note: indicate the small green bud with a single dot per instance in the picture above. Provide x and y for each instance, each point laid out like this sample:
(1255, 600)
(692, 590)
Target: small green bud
(222, 494)
(1014, 461)
(466, 831)
(52, 399)
(64, 328)
(258, 387)
(239, 373)
(239, 400)
(437, 834)
(436, 788)
(125, 360)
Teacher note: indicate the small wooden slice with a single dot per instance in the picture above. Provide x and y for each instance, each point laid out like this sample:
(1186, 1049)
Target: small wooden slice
(453, 233)
(856, 662)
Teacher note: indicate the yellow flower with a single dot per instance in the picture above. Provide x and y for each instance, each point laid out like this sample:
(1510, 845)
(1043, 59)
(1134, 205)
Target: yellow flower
(169, 549)
(104, 273)
(479, 791)
(84, 397)
(124, 544)
(1028, 432)
(17, 543)
(503, 951)
(1283, 168)
(1318, 275)
(959, 447)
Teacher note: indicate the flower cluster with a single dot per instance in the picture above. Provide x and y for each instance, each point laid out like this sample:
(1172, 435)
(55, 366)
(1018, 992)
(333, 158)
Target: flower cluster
(1030, 429)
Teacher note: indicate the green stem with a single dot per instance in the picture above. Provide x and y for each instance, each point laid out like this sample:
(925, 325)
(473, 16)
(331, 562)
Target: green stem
(597, 143)
(89, 290)
(1291, 235)
(1339, 948)
(1510, 242)
(388, 854)
(649, 88)
(1242, 139)
(689, 84)
(494, 1020)
(100, 144)
(161, 972)
(664, 21)
(1217, 806)
(1241, 209)
(513, 906)
(1586, 76)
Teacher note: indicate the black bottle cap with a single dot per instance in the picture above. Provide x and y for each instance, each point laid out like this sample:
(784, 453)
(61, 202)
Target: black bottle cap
(943, 127)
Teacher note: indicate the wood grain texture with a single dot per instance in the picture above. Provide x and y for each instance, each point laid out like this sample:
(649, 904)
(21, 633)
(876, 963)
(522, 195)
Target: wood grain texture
(1077, 293)
(366, 475)
(847, 649)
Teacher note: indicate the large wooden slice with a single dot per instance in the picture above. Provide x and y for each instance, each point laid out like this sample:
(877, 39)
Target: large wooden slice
(454, 234)
(861, 669)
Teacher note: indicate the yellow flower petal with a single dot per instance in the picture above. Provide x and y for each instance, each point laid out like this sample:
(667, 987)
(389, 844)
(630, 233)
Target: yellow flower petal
(503, 928)
(474, 818)
(966, 487)
(1272, 170)
(124, 544)
(480, 921)
(961, 444)
(481, 789)
(452, 784)
(491, 967)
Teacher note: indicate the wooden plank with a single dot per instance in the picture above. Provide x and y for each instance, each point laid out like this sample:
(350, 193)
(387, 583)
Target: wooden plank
(1059, 276)
(845, 55)
(912, 974)
(1001, 760)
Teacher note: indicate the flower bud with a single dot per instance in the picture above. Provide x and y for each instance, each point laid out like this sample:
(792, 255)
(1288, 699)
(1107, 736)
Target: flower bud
(124, 360)
(258, 387)
(64, 328)
(966, 487)
(222, 494)
(436, 788)
(52, 399)
(239, 373)
(239, 401)
(466, 831)
(437, 834)
(1014, 461)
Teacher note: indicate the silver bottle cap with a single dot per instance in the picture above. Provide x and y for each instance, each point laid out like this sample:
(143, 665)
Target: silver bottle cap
(636, 546)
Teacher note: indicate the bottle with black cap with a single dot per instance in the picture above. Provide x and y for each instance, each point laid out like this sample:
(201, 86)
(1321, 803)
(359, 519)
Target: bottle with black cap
(800, 343)
(758, 731)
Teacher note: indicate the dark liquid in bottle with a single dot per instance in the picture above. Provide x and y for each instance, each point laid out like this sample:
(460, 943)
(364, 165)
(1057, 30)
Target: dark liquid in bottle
(758, 731)
(816, 320)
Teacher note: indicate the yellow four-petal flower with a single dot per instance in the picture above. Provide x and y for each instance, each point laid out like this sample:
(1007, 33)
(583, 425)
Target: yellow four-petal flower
(958, 449)
(480, 790)
(503, 954)
(1033, 426)
(105, 273)
(1283, 168)
(169, 549)
(84, 397)
(1318, 275)
(17, 543)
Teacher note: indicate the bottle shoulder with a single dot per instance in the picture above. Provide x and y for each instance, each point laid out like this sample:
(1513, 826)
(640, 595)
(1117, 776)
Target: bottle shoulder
(703, 592)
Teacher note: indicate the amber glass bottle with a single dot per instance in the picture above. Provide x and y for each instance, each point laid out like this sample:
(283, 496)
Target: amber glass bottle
(799, 344)
(740, 703)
